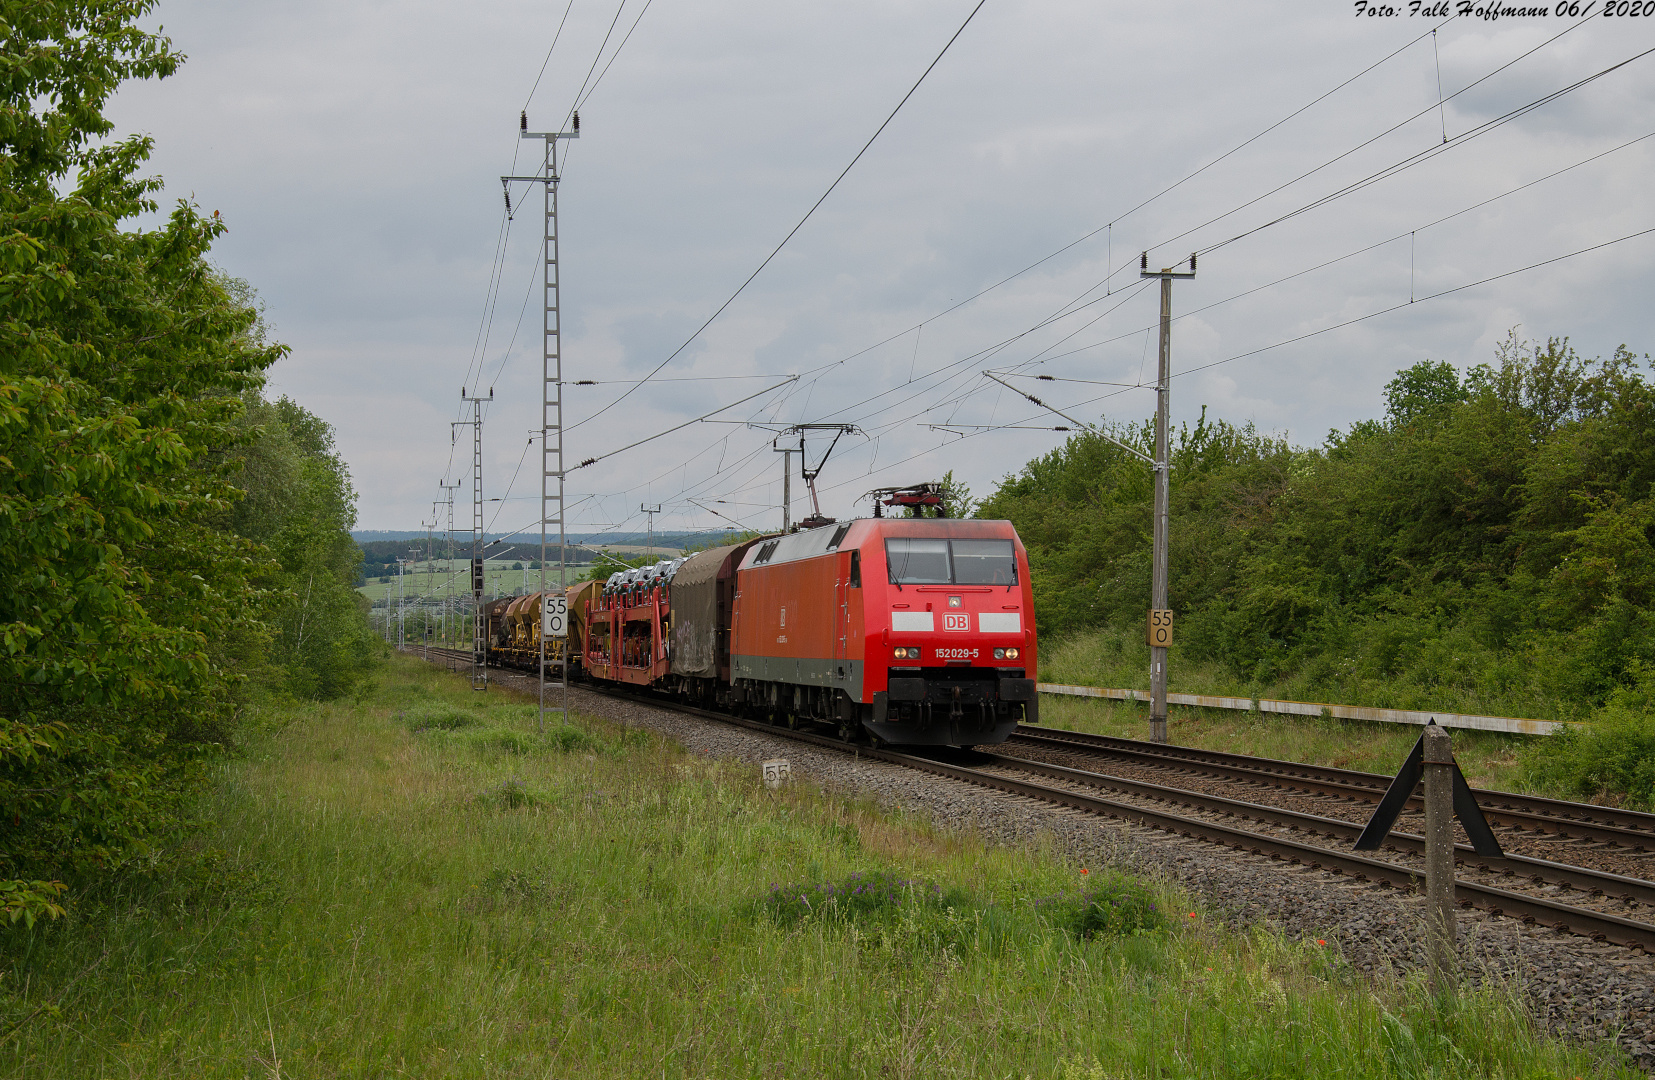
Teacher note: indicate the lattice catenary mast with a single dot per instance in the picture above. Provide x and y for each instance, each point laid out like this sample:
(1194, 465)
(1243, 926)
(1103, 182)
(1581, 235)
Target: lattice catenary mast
(551, 403)
(479, 656)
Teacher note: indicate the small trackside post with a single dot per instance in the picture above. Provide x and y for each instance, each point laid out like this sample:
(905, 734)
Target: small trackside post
(1440, 927)
(1447, 796)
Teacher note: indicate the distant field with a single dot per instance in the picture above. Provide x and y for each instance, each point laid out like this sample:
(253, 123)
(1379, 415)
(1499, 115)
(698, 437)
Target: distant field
(455, 582)
(450, 576)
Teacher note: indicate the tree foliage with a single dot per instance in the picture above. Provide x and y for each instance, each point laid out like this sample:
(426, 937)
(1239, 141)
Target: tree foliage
(1492, 533)
(135, 581)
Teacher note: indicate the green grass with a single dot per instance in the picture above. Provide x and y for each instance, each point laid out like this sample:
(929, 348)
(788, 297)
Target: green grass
(1120, 658)
(422, 884)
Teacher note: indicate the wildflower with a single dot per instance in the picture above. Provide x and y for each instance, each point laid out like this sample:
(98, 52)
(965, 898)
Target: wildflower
(1319, 941)
(1084, 870)
(1192, 914)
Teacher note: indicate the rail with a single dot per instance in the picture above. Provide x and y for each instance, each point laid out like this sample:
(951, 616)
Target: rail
(1587, 821)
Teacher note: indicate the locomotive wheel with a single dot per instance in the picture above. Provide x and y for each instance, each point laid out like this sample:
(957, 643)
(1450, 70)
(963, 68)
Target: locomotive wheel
(848, 732)
(794, 721)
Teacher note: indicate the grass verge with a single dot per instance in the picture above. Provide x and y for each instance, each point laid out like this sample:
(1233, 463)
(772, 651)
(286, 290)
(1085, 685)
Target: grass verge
(421, 884)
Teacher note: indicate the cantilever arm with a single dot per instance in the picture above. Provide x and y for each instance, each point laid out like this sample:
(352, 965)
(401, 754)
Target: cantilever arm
(1083, 425)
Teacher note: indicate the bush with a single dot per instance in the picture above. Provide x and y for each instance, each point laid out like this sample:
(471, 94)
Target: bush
(1110, 908)
(1612, 754)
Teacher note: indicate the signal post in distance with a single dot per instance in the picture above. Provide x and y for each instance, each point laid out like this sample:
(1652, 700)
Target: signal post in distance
(1160, 617)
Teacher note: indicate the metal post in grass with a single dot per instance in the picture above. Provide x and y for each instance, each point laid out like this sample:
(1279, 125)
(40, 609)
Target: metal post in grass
(1438, 762)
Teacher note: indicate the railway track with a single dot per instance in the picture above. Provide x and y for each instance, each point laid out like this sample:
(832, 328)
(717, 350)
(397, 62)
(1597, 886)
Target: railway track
(1530, 813)
(1291, 837)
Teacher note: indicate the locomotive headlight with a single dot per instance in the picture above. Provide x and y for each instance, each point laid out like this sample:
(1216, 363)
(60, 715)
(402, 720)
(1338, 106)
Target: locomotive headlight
(1005, 654)
(904, 652)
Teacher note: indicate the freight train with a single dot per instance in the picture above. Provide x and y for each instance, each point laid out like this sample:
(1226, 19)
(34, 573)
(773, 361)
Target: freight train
(908, 631)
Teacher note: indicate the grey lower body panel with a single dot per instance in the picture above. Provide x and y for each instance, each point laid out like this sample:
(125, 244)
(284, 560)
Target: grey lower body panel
(843, 675)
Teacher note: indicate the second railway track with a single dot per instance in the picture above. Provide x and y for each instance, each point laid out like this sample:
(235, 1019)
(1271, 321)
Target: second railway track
(1627, 828)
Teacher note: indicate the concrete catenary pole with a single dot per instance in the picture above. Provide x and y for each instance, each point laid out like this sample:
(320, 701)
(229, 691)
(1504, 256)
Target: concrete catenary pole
(1159, 583)
(787, 453)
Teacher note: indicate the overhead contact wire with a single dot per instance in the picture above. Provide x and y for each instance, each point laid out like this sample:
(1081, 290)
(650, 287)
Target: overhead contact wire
(792, 232)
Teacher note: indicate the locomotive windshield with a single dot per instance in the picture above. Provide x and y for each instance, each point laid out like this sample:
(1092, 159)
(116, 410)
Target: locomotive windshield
(918, 562)
(950, 562)
(984, 562)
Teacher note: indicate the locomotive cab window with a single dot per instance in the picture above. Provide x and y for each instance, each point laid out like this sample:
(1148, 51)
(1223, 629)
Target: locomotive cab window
(950, 562)
(918, 562)
(984, 562)
(856, 569)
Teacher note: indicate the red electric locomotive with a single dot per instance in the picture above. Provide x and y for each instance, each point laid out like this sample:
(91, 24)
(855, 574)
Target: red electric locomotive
(917, 631)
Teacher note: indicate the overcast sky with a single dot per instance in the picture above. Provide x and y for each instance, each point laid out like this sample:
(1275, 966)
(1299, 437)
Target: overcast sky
(355, 149)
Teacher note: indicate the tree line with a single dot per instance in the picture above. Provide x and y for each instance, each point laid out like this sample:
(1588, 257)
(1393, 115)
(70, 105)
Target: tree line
(175, 547)
(1488, 537)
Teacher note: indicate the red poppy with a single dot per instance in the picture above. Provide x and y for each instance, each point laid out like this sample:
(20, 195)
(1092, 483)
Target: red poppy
(1084, 870)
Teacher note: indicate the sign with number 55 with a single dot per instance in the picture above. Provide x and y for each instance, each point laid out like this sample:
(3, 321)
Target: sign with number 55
(1160, 629)
(555, 616)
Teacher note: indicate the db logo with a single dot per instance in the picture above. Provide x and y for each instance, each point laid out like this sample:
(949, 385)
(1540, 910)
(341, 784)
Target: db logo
(952, 620)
